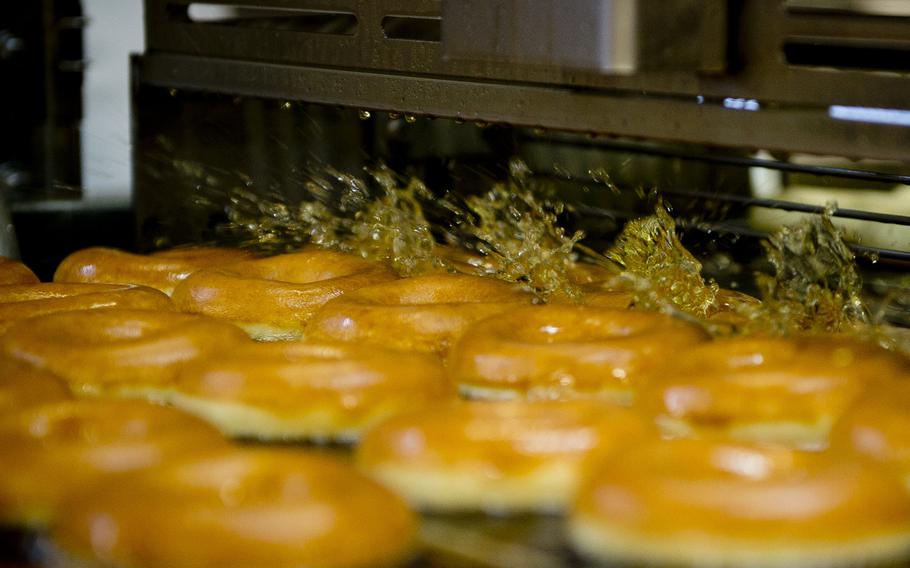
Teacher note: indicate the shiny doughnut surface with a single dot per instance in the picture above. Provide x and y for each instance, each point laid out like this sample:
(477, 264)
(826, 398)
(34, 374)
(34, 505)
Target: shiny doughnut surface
(14, 272)
(27, 300)
(564, 351)
(773, 390)
(502, 456)
(422, 313)
(251, 508)
(160, 270)
(53, 450)
(97, 351)
(272, 298)
(292, 390)
(711, 503)
(23, 386)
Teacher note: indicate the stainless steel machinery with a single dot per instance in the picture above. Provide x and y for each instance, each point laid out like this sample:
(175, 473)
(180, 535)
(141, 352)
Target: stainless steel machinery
(707, 100)
(687, 95)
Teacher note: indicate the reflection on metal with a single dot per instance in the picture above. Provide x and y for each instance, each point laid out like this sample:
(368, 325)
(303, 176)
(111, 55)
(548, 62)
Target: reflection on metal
(742, 104)
(265, 17)
(865, 7)
(871, 115)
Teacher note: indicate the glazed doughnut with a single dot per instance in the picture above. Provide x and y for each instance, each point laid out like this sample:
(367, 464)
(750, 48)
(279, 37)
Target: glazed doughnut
(23, 386)
(119, 351)
(559, 351)
(268, 508)
(292, 390)
(272, 298)
(28, 300)
(714, 504)
(877, 425)
(160, 270)
(494, 456)
(52, 450)
(787, 391)
(14, 272)
(606, 298)
(422, 313)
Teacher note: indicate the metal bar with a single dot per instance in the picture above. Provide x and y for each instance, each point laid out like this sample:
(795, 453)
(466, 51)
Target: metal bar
(889, 218)
(760, 30)
(686, 153)
(619, 114)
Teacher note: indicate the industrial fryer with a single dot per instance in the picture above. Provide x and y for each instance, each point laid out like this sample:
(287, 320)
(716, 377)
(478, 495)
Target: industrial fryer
(740, 112)
(736, 110)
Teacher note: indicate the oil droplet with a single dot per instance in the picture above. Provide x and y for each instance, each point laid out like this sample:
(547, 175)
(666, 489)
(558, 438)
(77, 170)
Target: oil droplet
(173, 92)
(286, 105)
(410, 118)
(394, 115)
(363, 114)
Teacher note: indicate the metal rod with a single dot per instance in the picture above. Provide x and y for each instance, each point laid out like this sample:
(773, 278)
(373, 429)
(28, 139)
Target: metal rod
(797, 207)
(863, 251)
(688, 154)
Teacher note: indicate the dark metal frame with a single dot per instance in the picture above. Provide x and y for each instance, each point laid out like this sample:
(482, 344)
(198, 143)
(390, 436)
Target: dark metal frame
(41, 72)
(703, 96)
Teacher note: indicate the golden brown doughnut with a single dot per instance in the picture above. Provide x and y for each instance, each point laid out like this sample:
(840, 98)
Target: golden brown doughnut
(713, 504)
(786, 391)
(422, 313)
(52, 450)
(272, 298)
(14, 272)
(115, 350)
(28, 300)
(605, 298)
(292, 390)
(559, 351)
(247, 508)
(494, 456)
(22, 386)
(877, 425)
(160, 270)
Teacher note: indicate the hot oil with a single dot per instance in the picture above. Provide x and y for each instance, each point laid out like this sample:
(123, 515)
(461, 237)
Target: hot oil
(662, 274)
(392, 227)
(519, 232)
(514, 234)
(816, 286)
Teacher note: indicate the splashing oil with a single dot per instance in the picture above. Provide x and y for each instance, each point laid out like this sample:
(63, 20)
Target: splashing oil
(815, 286)
(513, 233)
(661, 273)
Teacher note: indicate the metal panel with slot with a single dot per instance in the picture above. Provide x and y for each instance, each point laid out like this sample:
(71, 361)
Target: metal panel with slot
(750, 74)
